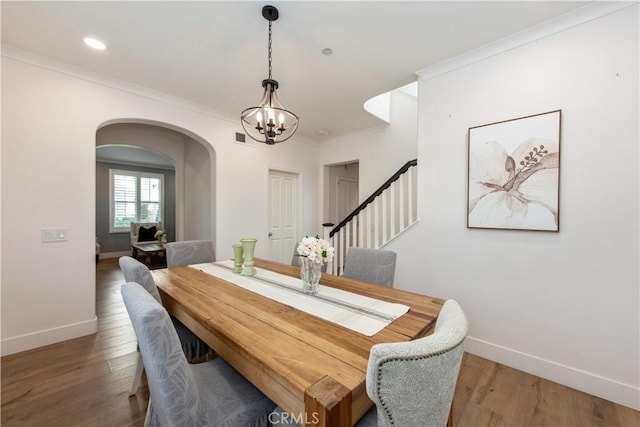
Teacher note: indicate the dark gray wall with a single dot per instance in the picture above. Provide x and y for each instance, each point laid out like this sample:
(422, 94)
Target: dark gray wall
(119, 242)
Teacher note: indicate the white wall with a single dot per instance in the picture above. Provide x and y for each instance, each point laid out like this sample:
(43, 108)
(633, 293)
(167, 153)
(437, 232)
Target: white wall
(49, 124)
(198, 192)
(564, 305)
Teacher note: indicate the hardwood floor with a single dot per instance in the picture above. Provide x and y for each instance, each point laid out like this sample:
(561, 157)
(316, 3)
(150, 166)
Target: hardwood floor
(80, 382)
(85, 382)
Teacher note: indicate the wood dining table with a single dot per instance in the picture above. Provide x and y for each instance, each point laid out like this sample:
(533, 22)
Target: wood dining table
(312, 368)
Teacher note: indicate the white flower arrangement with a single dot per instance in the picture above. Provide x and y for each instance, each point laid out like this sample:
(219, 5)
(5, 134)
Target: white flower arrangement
(316, 249)
(159, 234)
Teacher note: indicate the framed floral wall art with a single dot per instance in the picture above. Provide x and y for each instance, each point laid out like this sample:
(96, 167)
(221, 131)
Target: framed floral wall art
(514, 174)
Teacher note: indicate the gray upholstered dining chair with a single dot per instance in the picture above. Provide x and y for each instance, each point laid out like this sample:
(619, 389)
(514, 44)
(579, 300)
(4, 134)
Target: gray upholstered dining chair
(370, 265)
(189, 252)
(412, 383)
(295, 258)
(193, 347)
(135, 271)
(206, 394)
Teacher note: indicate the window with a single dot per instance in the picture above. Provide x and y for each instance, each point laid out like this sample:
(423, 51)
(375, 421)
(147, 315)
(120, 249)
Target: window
(134, 197)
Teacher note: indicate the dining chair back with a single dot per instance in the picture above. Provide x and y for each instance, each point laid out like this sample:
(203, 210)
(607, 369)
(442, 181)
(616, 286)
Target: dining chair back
(135, 271)
(412, 383)
(206, 394)
(371, 265)
(295, 257)
(193, 347)
(189, 252)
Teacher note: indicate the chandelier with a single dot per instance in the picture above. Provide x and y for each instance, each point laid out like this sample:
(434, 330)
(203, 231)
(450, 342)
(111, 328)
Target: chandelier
(269, 121)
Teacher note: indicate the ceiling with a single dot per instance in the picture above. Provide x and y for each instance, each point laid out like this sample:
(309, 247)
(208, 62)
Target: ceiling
(215, 53)
(132, 155)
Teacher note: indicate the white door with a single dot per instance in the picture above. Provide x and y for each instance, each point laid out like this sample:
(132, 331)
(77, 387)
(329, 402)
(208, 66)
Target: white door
(283, 215)
(346, 198)
(347, 202)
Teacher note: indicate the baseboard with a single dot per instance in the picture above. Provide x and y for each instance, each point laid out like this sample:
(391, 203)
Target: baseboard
(48, 336)
(108, 255)
(623, 394)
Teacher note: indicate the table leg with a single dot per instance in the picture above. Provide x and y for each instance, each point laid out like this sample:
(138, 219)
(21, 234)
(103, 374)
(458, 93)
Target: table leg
(327, 403)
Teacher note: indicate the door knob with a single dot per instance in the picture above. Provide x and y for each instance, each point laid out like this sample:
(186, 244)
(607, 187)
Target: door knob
(270, 234)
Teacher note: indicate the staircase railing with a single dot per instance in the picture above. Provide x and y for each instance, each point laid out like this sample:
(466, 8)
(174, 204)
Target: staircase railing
(387, 212)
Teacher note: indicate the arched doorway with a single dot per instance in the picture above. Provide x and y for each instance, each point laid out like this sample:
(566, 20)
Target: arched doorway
(186, 160)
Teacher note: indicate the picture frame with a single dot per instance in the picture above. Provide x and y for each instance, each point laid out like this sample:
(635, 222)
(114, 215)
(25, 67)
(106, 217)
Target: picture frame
(513, 174)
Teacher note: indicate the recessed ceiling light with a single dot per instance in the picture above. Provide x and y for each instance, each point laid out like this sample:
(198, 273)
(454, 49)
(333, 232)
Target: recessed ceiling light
(327, 51)
(94, 43)
(323, 132)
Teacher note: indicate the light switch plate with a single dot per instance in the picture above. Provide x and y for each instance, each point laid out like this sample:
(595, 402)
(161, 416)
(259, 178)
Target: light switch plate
(54, 234)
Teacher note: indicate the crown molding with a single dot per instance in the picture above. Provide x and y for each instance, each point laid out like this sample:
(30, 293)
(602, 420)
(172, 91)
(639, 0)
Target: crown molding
(80, 73)
(561, 23)
(362, 133)
(31, 58)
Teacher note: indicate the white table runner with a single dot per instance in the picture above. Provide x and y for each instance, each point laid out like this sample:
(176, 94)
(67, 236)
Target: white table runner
(359, 313)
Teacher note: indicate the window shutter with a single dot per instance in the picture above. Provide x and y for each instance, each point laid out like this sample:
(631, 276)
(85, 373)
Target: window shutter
(134, 197)
(149, 199)
(124, 199)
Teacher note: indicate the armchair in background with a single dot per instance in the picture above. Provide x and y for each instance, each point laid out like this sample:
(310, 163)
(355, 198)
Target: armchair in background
(147, 234)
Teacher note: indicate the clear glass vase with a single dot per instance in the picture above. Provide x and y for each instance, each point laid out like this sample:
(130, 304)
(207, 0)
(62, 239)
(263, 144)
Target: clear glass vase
(310, 273)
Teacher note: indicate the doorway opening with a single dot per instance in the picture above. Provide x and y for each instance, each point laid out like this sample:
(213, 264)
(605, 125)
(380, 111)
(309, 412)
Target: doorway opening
(185, 160)
(341, 190)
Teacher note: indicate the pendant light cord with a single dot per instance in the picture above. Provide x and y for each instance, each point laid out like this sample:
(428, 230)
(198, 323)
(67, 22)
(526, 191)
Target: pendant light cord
(269, 51)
